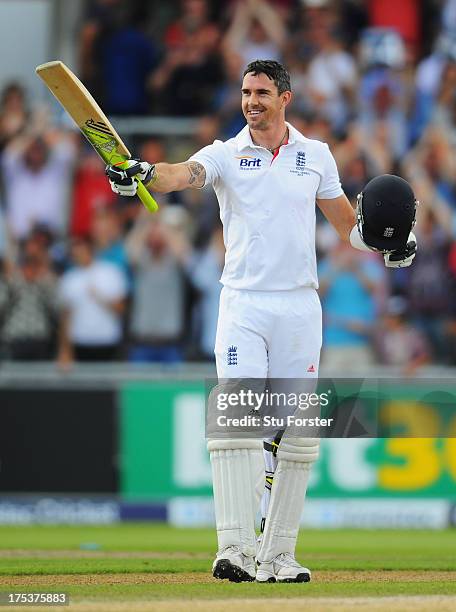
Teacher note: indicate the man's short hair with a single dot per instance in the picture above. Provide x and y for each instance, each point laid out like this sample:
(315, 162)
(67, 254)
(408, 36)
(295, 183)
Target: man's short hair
(272, 69)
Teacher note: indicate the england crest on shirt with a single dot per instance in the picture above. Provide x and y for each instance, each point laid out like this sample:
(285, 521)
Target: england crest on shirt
(300, 167)
(300, 159)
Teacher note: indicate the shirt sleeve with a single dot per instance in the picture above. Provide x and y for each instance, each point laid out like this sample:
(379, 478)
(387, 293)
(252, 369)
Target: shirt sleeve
(212, 158)
(330, 186)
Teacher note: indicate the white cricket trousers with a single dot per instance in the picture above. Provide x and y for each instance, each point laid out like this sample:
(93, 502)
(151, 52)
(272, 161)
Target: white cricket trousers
(274, 334)
(260, 334)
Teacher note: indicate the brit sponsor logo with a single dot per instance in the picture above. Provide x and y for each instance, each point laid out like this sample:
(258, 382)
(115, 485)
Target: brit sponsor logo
(248, 162)
(388, 232)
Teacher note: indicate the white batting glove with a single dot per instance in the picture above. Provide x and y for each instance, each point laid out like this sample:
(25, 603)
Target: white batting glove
(402, 259)
(123, 181)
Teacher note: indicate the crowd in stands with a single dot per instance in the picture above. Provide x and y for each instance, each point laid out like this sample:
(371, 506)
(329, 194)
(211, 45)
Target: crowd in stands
(89, 276)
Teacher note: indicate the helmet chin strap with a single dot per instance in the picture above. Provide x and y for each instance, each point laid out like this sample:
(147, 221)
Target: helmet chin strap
(359, 212)
(360, 222)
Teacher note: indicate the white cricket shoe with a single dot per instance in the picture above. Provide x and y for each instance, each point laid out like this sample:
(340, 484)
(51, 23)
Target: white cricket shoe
(231, 564)
(284, 568)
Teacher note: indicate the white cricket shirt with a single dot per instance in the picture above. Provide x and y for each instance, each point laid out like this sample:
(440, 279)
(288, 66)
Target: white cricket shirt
(267, 208)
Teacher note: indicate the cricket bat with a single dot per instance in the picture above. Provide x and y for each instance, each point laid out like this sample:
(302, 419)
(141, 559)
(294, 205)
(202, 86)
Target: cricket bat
(93, 123)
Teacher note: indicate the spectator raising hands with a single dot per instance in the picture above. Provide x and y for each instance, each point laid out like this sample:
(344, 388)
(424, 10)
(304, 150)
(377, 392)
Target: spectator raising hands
(36, 173)
(157, 311)
(190, 71)
(257, 31)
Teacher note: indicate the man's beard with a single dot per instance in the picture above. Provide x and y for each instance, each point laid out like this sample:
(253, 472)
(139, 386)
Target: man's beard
(258, 125)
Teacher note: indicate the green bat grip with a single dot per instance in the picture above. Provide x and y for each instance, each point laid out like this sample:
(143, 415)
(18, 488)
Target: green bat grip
(146, 198)
(106, 147)
(143, 194)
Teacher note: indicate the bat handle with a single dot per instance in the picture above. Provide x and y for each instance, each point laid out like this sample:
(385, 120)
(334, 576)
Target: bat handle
(146, 198)
(142, 192)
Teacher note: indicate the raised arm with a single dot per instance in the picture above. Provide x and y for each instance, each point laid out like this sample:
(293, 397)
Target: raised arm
(161, 178)
(175, 177)
(270, 19)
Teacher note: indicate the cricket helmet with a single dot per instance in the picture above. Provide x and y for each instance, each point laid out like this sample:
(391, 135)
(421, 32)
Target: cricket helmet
(386, 212)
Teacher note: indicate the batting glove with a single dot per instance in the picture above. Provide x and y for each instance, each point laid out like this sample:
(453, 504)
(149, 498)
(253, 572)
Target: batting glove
(123, 181)
(402, 259)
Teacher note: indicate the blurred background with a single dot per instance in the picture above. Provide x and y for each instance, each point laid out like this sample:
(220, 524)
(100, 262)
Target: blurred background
(108, 314)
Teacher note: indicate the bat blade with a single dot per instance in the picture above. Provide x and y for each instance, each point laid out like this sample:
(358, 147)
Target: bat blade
(88, 116)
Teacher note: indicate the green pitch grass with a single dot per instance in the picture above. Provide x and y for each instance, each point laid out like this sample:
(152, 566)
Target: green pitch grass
(153, 563)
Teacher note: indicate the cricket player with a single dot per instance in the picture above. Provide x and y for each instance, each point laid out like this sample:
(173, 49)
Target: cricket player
(267, 180)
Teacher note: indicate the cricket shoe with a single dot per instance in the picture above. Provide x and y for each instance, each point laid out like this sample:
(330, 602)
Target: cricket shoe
(231, 564)
(284, 568)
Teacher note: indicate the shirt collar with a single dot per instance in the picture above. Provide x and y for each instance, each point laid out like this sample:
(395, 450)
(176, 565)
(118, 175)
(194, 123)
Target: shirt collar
(244, 139)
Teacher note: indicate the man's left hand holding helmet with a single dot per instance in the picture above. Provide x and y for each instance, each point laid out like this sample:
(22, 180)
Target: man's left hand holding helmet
(386, 214)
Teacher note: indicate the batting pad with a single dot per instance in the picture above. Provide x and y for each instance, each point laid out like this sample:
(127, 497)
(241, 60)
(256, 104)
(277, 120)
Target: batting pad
(302, 450)
(237, 475)
(288, 491)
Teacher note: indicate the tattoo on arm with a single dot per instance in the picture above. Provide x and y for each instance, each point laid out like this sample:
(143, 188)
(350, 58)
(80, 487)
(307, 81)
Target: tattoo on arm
(153, 178)
(197, 174)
